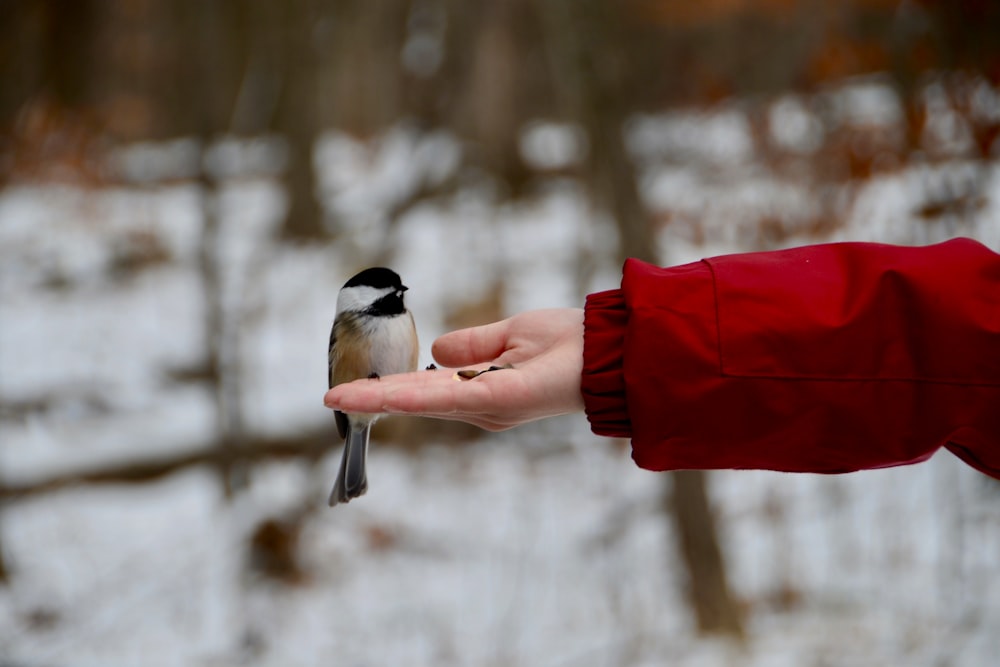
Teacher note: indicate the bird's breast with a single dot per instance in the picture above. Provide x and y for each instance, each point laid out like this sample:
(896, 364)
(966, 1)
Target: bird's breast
(380, 345)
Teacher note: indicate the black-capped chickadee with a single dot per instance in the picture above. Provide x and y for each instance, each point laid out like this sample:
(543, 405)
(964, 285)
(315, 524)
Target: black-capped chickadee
(373, 335)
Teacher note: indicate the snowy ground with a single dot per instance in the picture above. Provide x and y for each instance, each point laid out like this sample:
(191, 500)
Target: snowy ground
(542, 546)
(502, 558)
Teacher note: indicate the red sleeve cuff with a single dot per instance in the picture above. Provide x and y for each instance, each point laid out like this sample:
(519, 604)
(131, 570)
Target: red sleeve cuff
(603, 380)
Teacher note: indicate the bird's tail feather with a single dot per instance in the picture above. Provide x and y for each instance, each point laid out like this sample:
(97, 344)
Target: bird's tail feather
(352, 480)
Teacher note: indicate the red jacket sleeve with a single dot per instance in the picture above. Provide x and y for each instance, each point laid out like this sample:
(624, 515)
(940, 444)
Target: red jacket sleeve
(827, 358)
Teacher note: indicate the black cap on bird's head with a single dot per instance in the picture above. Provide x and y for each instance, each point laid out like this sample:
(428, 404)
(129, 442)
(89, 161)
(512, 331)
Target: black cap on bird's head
(378, 277)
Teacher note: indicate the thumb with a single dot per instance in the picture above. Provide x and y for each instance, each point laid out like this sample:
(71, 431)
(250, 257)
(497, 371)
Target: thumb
(471, 346)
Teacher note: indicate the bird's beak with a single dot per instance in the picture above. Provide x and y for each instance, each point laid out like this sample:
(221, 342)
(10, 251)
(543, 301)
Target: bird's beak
(403, 288)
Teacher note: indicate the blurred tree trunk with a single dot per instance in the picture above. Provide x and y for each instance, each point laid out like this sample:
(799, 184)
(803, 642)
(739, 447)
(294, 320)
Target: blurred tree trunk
(298, 118)
(592, 64)
(66, 66)
(694, 524)
(222, 358)
(365, 83)
(210, 71)
(493, 104)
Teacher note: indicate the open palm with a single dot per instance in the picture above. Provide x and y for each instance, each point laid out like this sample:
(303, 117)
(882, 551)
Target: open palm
(545, 348)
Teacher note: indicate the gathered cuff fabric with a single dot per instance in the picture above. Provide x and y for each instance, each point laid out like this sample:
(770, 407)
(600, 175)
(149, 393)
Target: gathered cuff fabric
(603, 380)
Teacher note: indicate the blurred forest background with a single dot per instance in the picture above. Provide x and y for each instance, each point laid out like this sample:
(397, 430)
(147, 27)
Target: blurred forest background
(186, 184)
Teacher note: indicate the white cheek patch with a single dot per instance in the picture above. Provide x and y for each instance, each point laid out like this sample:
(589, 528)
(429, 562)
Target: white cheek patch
(359, 297)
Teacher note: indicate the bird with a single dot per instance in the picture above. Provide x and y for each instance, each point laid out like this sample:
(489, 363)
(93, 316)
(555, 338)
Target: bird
(373, 335)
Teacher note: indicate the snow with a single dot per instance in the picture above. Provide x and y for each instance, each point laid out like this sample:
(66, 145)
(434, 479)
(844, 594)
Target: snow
(576, 568)
(793, 127)
(540, 546)
(548, 145)
(720, 136)
(867, 101)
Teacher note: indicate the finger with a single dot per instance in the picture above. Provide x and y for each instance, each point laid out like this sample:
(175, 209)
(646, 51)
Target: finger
(445, 397)
(429, 393)
(368, 395)
(475, 345)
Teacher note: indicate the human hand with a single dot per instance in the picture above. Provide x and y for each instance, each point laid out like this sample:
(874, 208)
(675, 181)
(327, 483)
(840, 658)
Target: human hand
(545, 348)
